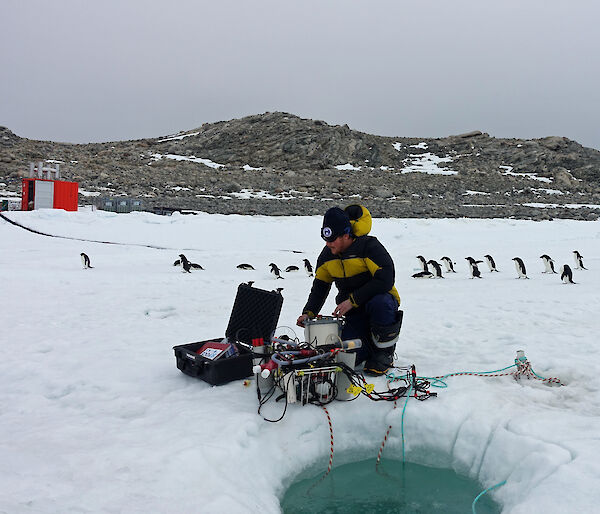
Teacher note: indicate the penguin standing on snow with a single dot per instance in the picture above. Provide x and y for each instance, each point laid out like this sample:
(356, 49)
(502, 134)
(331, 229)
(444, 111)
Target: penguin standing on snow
(548, 263)
(520, 267)
(475, 273)
(85, 261)
(490, 262)
(422, 262)
(436, 267)
(578, 260)
(566, 275)
(275, 270)
(308, 268)
(449, 264)
(185, 264)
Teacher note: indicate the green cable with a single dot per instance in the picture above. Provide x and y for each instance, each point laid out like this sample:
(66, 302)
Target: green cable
(434, 380)
(402, 422)
(483, 492)
(439, 382)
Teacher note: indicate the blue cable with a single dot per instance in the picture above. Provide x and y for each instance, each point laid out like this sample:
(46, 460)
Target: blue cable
(402, 422)
(483, 492)
(435, 382)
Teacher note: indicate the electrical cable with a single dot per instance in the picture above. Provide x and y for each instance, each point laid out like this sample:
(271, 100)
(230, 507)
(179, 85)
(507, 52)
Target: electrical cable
(268, 396)
(329, 466)
(440, 379)
(524, 369)
(483, 492)
(402, 421)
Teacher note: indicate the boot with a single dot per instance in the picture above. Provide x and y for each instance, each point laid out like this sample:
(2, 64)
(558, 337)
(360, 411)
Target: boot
(384, 340)
(381, 360)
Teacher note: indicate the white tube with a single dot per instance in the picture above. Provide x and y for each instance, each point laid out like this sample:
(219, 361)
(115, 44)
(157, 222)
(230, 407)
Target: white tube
(351, 344)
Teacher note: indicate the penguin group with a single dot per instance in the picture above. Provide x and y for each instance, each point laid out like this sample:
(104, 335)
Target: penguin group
(566, 273)
(430, 269)
(275, 270)
(186, 265)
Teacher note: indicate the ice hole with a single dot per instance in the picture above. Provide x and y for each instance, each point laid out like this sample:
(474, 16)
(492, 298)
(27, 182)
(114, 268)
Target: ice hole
(392, 486)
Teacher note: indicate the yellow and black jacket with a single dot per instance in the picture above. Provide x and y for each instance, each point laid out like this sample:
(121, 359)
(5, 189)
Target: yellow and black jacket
(364, 270)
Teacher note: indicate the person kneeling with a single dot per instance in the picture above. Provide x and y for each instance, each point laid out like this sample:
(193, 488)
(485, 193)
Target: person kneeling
(364, 275)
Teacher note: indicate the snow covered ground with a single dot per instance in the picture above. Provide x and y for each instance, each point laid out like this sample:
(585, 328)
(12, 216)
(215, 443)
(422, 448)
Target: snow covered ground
(95, 416)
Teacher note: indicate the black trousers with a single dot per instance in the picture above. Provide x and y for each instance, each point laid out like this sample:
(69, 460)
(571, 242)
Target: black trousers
(380, 310)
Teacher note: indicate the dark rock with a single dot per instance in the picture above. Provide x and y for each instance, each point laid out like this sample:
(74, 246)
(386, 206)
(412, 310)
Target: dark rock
(301, 155)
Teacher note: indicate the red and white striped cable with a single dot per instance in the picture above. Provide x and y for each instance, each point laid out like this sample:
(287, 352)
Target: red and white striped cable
(384, 439)
(330, 440)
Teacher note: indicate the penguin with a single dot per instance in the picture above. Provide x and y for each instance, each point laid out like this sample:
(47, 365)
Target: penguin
(578, 260)
(85, 260)
(520, 267)
(422, 262)
(245, 266)
(449, 264)
(308, 268)
(185, 263)
(475, 273)
(423, 274)
(566, 275)
(291, 268)
(436, 267)
(548, 263)
(275, 270)
(490, 262)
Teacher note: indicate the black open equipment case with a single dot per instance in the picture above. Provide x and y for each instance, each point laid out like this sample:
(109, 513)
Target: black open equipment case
(254, 315)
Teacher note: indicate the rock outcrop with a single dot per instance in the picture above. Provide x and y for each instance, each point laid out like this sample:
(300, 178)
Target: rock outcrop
(280, 164)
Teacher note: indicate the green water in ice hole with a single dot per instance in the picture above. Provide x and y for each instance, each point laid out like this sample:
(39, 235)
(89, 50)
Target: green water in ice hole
(395, 487)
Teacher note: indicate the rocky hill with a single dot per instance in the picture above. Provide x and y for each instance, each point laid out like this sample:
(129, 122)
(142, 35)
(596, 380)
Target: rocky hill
(280, 164)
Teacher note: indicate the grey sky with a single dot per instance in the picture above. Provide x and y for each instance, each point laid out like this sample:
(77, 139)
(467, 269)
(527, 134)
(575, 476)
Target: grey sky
(83, 71)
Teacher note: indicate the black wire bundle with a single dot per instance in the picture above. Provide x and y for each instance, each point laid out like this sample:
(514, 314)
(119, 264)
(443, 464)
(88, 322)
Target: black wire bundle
(269, 394)
(419, 386)
(284, 384)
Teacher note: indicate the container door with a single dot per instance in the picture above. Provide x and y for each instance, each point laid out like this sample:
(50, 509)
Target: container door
(65, 195)
(44, 194)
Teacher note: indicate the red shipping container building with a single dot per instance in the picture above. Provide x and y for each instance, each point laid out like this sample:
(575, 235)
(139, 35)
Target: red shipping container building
(38, 193)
